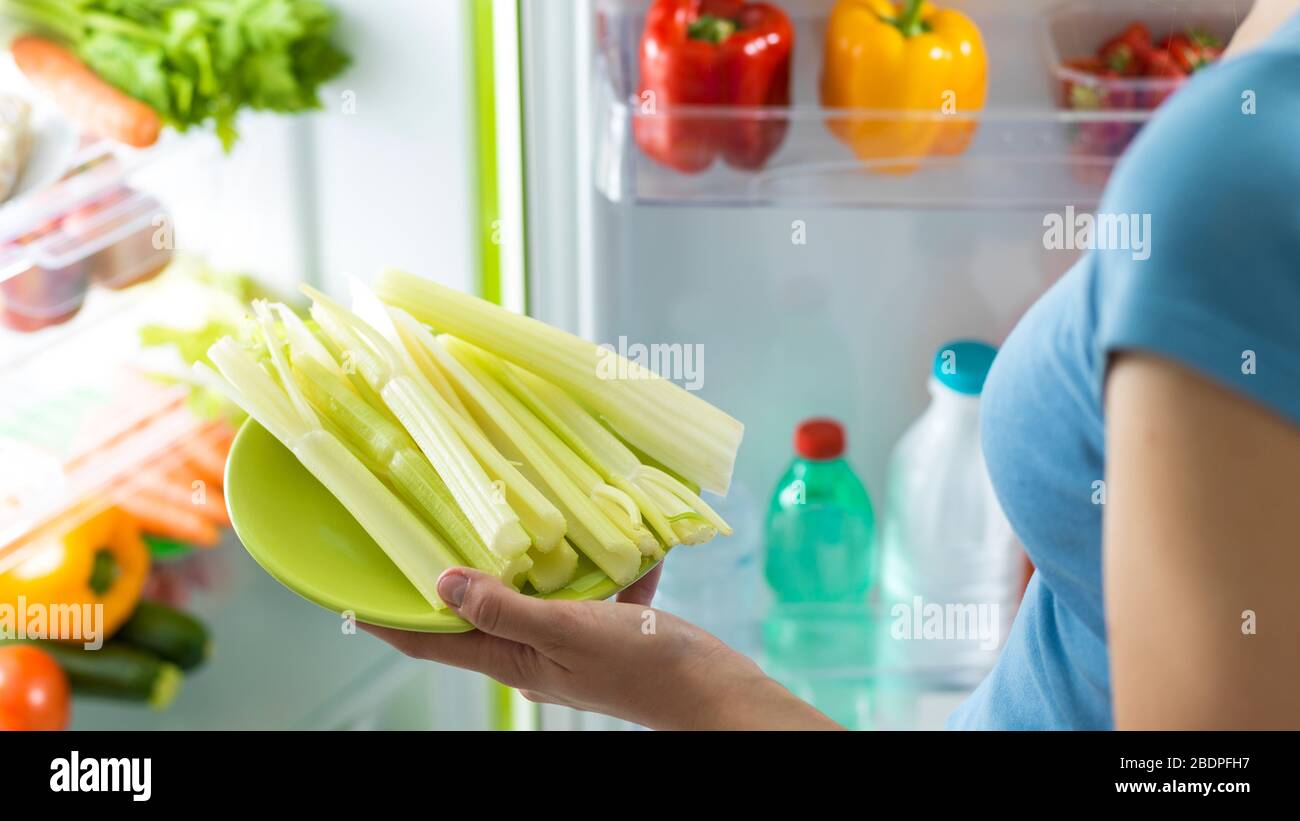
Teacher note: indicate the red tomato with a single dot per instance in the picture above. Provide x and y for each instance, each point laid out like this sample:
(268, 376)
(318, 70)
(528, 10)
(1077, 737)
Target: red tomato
(33, 690)
(10, 721)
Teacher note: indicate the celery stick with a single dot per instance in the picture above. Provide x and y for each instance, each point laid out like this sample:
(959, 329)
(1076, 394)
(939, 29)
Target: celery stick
(395, 457)
(417, 551)
(585, 437)
(553, 570)
(513, 440)
(621, 564)
(413, 336)
(542, 523)
(677, 428)
(620, 466)
(431, 422)
(624, 462)
(416, 478)
(617, 506)
(690, 526)
(644, 540)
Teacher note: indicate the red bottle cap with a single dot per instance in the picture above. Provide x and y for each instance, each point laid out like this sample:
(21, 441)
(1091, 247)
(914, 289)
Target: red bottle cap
(819, 439)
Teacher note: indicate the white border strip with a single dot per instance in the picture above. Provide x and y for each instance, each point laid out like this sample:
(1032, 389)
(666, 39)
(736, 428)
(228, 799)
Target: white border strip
(510, 153)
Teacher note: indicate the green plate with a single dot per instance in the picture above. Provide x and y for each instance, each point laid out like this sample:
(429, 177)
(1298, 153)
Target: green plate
(300, 534)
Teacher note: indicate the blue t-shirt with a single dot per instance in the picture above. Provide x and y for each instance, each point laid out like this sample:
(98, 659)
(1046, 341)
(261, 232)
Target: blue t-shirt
(1216, 288)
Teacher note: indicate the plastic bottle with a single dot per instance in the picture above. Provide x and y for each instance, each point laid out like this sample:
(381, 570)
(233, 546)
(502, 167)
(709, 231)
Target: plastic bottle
(946, 545)
(819, 561)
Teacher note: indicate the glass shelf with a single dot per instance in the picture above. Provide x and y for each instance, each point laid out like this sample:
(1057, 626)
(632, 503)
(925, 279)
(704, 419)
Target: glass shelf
(277, 661)
(1028, 151)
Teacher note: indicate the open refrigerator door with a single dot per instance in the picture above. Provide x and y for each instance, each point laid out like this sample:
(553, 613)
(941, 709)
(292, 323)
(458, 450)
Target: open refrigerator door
(820, 279)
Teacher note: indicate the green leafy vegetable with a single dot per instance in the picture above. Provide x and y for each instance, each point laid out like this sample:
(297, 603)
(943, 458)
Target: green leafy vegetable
(225, 295)
(198, 61)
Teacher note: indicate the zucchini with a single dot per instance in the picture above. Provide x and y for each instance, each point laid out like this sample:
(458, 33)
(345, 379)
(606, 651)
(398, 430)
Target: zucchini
(167, 633)
(117, 671)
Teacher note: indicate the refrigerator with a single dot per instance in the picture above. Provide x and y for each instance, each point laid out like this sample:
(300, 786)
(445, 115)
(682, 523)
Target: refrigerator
(490, 145)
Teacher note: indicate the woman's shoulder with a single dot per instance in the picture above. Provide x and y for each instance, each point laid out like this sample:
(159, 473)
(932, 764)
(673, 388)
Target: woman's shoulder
(1213, 183)
(1230, 133)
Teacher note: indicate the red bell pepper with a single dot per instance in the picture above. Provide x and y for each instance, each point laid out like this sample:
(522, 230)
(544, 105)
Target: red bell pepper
(713, 53)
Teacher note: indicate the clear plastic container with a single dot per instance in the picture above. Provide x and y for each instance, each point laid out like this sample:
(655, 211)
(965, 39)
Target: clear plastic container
(34, 295)
(75, 221)
(1078, 29)
(81, 417)
(114, 239)
(124, 235)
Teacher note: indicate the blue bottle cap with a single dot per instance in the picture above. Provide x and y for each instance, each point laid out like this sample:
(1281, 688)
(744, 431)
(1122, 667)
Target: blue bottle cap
(963, 364)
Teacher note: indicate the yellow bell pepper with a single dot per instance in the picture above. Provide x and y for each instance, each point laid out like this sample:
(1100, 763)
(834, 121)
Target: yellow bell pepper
(890, 60)
(93, 555)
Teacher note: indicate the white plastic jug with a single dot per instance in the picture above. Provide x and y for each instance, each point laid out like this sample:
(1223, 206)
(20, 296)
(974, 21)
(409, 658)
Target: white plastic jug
(952, 569)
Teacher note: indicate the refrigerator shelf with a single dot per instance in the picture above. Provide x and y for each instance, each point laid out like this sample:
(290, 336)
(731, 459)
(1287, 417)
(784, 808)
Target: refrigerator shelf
(96, 228)
(81, 217)
(281, 663)
(83, 412)
(1028, 151)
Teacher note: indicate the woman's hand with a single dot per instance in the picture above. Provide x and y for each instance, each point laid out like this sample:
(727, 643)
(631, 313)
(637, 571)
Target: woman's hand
(618, 658)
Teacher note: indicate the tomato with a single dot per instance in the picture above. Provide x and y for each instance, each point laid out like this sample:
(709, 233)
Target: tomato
(11, 721)
(34, 691)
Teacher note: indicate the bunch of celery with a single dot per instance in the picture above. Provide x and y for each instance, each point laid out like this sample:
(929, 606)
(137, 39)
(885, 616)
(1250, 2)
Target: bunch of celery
(484, 445)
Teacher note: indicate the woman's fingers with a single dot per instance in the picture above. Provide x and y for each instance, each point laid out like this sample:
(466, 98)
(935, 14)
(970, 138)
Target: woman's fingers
(642, 591)
(497, 610)
(514, 636)
(511, 663)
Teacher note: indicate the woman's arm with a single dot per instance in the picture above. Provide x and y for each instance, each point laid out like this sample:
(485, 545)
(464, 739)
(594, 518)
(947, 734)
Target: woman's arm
(618, 658)
(1201, 554)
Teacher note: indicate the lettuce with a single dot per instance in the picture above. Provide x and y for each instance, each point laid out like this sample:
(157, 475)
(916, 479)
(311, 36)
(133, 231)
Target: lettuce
(197, 62)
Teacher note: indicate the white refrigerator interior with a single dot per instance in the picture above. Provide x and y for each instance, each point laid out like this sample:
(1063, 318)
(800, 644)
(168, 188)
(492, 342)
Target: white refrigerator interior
(814, 287)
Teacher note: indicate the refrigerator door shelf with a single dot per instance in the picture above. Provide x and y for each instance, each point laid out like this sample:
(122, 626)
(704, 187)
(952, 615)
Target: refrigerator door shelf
(1034, 145)
(913, 653)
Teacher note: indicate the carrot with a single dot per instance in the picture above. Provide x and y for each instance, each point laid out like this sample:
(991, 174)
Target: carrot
(222, 435)
(87, 100)
(159, 517)
(215, 507)
(181, 478)
(175, 487)
(206, 455)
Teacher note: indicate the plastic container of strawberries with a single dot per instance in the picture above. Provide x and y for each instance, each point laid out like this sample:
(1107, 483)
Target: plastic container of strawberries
(1079, 28)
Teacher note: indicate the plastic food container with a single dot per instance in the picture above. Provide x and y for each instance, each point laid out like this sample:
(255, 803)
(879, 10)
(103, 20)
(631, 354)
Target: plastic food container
(35, 295)
(1078, 29)
(124, 235)
(115, 240)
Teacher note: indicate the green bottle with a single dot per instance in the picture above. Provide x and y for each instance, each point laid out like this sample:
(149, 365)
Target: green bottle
(820, 561)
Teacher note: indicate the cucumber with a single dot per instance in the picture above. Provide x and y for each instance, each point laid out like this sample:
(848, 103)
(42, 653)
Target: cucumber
(167, 633)
(166, 549)
(117, 671)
